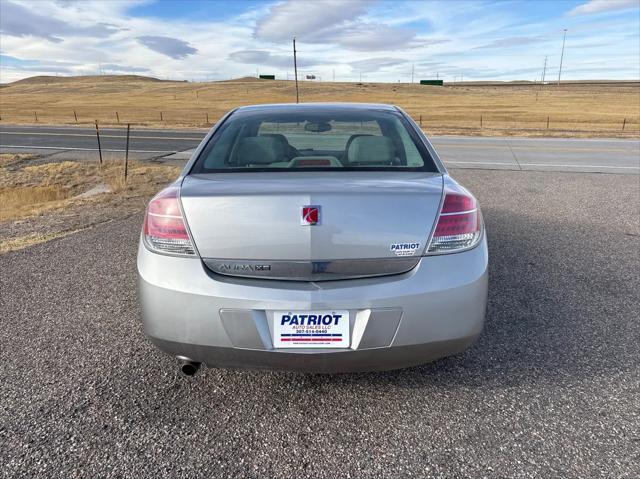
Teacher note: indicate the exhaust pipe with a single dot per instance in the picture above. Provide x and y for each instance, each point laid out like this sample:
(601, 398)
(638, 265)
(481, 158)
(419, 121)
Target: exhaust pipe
(188, 367)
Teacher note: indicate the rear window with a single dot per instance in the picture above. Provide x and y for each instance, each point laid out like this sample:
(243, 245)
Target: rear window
(314, 138)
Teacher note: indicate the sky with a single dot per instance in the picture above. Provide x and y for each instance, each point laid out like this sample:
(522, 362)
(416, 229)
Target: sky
(345, 40)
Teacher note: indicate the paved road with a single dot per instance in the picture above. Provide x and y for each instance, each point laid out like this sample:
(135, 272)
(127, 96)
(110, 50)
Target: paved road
(154, 142)
(611, 156)
(551, 389)
(541, 154)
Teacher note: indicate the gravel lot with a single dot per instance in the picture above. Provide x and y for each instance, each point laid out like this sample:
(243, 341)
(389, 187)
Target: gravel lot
(552, 388)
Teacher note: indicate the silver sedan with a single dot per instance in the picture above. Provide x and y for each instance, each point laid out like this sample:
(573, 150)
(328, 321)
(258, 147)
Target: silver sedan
(313, 237)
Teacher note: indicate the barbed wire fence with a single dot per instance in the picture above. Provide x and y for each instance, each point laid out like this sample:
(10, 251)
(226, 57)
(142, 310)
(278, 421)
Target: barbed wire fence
(621, 125)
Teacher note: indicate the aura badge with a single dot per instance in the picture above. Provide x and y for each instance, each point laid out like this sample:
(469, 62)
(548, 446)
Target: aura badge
(310, 215)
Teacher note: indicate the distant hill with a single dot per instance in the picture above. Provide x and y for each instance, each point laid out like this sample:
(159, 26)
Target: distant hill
(112, 79)
(98, 79)
(49, 79)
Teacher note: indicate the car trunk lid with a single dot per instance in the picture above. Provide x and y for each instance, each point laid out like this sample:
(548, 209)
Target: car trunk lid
(250, 222)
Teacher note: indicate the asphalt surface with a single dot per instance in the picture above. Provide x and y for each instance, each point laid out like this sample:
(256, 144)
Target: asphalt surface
(153, 142)
(551, 389)
(541, 154)
(588, 155)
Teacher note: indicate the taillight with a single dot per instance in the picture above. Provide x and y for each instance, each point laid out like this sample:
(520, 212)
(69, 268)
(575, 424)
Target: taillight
(459, 226)
(164, 228)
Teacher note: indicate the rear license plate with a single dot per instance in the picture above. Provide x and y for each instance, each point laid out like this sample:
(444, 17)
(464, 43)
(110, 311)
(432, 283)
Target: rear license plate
(311, 329)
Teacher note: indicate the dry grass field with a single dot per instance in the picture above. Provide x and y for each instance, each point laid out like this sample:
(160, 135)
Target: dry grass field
(584, 109)
(42, 199)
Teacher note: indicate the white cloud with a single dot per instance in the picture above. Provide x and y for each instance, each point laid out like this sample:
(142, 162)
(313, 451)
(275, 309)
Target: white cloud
(20, 21)
(374, 64)
(112, 68)
(308, 21)
(367, 37)
(511, 42)
(265, 58)
(331, 22)
(599, 6)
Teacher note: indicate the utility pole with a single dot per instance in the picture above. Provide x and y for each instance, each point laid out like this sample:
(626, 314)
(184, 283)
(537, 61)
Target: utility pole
(544, 71)
(334, 74)
(295, 67)
(412, 70)
(562, 55)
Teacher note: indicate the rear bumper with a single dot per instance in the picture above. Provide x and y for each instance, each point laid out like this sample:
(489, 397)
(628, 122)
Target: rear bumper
(435, 310)
(378, 359)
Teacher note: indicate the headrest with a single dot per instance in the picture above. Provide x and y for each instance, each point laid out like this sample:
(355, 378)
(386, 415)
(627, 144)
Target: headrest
(278, 136)
(262, 150)
(371, 149)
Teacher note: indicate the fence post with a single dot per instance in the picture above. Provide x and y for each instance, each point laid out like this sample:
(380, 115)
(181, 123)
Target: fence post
(421, 120)
(480, 121)
(547, 123)
(98, 137)
(75, 116)
(624, 122)
(35, 114)
(207, 118)
(126, 155)
(117, 117)
(161, 116)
